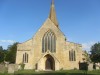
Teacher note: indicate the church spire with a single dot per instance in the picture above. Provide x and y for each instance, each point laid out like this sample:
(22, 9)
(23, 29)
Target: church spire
(52, 15)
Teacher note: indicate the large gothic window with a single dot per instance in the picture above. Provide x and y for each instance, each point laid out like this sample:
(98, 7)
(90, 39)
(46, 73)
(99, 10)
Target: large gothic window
(25, 58)
(72, 55)
(49, 42)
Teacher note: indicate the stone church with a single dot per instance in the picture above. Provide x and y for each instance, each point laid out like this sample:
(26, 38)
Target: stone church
(49, 49)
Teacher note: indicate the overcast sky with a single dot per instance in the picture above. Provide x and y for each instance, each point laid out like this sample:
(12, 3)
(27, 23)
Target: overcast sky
(79, 20)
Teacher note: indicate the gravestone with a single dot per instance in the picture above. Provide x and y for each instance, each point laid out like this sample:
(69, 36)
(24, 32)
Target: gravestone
(2, 68)
(11, 68)
(6, 63)
(16, 67)
(97, 66)
(90, 66)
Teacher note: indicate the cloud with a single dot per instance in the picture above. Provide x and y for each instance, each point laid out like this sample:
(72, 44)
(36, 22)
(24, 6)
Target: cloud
(6, 43)
(87, 46)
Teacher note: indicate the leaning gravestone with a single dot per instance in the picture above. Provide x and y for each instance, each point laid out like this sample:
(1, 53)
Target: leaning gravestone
(6, 64)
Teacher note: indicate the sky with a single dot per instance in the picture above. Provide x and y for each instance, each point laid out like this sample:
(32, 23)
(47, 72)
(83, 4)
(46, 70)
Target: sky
(79, 20)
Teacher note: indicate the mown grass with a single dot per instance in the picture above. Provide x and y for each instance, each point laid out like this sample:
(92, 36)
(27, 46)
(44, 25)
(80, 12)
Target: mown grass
(68, 72)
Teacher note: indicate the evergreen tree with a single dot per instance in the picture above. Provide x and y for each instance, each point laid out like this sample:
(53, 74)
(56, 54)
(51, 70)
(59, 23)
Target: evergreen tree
(11, 54)
(1, 54)
(95, 52)
(1, 48)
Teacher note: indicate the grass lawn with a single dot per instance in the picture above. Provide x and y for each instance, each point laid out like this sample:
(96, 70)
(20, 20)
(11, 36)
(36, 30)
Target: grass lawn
(68, 72)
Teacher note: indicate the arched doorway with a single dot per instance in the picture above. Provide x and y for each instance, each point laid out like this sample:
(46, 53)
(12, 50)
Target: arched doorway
(49, 63)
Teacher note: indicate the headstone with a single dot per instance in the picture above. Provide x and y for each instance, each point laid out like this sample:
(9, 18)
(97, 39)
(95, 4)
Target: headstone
(97, 66)
(16, 67)
(6, 63)
(11, 68)
(2, 68)
(90, 66)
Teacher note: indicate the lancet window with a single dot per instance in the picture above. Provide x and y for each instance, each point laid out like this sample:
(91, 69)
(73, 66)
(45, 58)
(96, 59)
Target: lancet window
(25, 58)
(72, 55)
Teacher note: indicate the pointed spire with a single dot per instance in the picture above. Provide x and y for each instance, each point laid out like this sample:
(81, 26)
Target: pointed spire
(52, 1)
(52, 14)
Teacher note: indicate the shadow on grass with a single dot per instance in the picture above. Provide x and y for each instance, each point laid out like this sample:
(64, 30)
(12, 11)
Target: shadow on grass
(45, 74)
(79, 74)
(57, 74)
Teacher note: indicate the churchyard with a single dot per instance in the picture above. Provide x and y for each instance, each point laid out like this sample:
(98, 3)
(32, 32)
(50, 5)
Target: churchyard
(11, 69)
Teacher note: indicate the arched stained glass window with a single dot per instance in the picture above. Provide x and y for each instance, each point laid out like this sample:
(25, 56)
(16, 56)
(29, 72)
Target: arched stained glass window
(49, 42)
